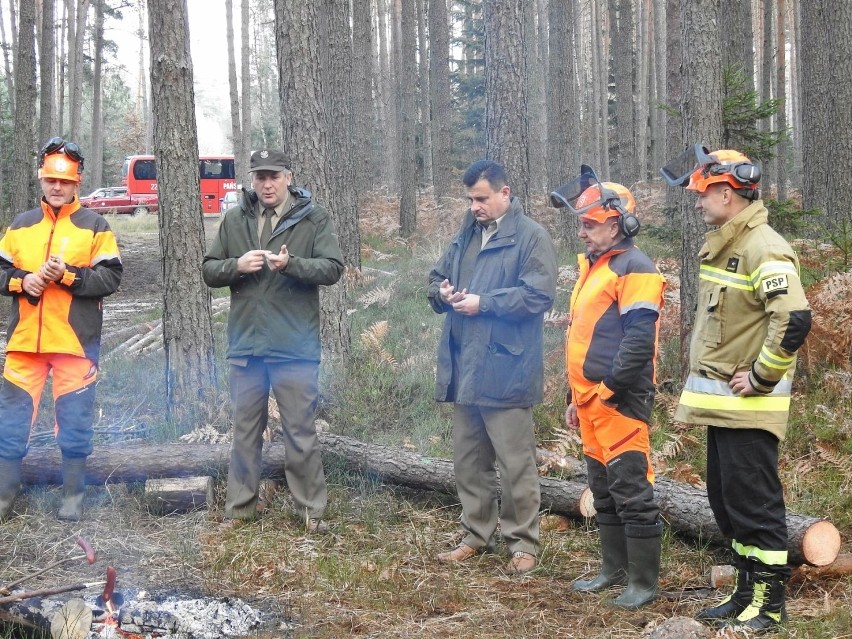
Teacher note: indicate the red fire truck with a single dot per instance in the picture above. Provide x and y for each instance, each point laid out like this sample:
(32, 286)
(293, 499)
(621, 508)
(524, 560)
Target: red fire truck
(215, 172)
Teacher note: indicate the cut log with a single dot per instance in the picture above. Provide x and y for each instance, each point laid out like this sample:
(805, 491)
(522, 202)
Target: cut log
(178, 495)
(684, 507)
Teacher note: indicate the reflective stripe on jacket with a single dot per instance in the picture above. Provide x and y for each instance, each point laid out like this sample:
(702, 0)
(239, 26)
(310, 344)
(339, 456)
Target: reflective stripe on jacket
(611, 341)
(68, 316)
(752, 315)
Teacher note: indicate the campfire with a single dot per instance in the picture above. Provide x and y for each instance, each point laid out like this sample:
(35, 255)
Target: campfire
(129, 614)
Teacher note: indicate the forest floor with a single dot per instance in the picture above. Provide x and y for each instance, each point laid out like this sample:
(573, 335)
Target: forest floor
(375, 574)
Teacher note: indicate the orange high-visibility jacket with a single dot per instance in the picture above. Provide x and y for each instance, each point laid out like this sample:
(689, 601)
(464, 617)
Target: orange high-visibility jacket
(611, 341)
(68, 316)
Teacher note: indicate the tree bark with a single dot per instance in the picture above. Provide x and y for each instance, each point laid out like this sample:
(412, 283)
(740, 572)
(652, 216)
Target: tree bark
(240, 161)
(563, 122)
(406, 63)
(506, 124)
(439, 88)
(684, 507)
(362, 47)
(95, 163)
(76, 40)
(826, 79)
(245, 146)
(47, 69)
(423, 106)
(674, 143)
(623, 153)
(701, 109)
(23, 192)
(187, 318)
(781, 95)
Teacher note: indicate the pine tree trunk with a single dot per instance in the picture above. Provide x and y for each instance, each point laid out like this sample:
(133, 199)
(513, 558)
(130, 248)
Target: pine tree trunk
(423, 107)
(536, 116)
(75, 48)
(781, 94)
(506, 124)
(240, 161)
(187, 317)
(23, 191)
(623, 152)
(47, 69)
(826, 76)
(406, 64)
(439, 87)
(7, 62)
(362, 46)
(245, 146)
(95, 163)
(674, 115)
(701, 107)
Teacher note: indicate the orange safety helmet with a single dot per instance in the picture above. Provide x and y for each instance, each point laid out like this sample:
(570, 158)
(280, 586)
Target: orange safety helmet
(60, 166)
(603, 201)
(728, 166)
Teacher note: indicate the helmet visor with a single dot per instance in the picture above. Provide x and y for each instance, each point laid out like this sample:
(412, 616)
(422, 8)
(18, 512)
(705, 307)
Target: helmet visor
(677, 172)
(568, 195)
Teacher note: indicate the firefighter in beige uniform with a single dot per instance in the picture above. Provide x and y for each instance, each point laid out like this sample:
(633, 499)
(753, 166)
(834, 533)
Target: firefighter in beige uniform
(752, 317)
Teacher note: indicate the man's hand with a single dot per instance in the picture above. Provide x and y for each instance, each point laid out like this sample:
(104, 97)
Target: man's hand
(33, 284)
(468, 305)
(53, 270)
(278, 262)
(741, 385)
(252, 261)
(449, 294)
(571, 419)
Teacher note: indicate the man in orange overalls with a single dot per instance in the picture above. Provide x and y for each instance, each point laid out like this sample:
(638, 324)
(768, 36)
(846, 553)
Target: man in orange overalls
(610, 351)
(57, 262)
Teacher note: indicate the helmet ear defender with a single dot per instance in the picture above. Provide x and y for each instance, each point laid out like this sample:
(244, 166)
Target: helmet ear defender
(628, 223)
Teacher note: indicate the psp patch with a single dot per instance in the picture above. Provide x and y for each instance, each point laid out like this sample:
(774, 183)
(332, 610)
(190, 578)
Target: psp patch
(775, 285)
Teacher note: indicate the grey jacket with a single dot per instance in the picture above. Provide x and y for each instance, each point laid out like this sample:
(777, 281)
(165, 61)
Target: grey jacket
(500, 361)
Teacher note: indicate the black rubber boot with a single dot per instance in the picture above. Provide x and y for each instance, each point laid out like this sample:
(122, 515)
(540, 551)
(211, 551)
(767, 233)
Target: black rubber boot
(614, 560)
(766, 610)
(10, 484)
(73, 488)
(643, 570)
(737, 601)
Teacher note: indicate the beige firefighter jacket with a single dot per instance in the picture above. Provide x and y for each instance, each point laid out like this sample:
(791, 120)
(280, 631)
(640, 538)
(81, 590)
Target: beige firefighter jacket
(752, 315)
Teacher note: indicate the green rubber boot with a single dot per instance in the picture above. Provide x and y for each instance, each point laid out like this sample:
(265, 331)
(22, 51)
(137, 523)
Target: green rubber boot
(614, 561)
(643, 570)
(10, 484)
(73, 487)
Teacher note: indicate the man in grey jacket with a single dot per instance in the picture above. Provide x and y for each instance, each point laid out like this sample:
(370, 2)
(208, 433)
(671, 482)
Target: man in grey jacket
(274, 250)
(495, 282)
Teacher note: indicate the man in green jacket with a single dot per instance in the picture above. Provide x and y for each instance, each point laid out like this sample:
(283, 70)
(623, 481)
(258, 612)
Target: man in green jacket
(274, 250)
(752, 317)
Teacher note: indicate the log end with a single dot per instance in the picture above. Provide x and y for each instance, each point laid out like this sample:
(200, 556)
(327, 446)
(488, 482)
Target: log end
(587, 503)
(821, 543)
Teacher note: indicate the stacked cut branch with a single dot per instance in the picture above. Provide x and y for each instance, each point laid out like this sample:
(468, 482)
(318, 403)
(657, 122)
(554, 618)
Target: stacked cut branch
(811, 540)
(146, 337)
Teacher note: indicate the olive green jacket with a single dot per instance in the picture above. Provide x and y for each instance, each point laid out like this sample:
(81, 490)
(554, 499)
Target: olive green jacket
(275, 315)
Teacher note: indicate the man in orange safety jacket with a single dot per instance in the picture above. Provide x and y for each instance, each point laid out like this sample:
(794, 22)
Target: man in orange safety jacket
(57, 262)
(610, 353)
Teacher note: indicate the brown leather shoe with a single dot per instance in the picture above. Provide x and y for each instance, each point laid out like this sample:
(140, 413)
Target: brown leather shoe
(460, 553)
(317, 526)
(520, 563)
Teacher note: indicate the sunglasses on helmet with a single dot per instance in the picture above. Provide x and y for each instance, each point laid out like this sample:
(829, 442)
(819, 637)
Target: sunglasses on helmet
(57, 144)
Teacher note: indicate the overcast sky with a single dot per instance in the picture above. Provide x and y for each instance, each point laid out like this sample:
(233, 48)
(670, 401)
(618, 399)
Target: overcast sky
(210, 67)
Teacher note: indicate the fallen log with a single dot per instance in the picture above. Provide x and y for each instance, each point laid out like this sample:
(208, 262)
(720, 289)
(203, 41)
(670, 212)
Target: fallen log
(684, 507)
